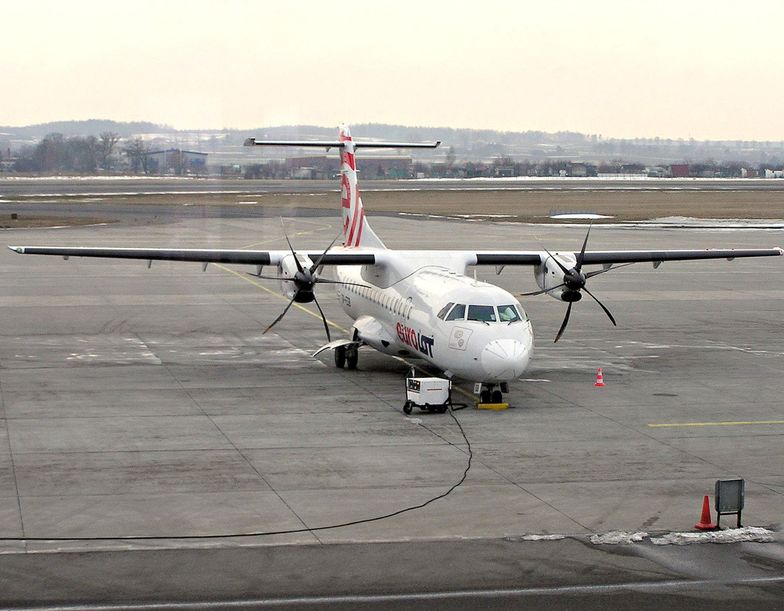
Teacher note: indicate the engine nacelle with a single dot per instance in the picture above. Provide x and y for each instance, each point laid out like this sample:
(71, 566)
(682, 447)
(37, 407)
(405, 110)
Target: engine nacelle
(550, 277)
(287, 268)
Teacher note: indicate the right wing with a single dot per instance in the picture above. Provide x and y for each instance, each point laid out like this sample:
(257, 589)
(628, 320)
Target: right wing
(199, 255)
(612, 257)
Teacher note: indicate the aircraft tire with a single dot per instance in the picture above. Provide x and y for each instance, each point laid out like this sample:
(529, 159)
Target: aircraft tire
(484, 396)
(497, 397)
(352, 357)
(340, 357)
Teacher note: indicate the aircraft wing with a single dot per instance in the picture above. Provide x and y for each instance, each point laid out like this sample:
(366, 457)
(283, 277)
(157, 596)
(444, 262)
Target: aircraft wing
(612, 257)
(250, 257)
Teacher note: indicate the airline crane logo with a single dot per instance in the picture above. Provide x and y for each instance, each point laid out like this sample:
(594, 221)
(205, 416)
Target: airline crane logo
(415, 339)
(459, 338)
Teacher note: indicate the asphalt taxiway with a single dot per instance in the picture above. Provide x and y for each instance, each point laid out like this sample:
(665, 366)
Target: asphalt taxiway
(147, 402)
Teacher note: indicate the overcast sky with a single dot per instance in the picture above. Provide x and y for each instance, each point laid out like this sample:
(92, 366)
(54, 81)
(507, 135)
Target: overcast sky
(707, 70)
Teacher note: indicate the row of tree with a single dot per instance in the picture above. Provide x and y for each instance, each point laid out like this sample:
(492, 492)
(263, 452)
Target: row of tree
(56, 153)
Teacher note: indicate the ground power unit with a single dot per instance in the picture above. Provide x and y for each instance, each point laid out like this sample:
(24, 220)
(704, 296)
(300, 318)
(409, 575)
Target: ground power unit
(431, 394)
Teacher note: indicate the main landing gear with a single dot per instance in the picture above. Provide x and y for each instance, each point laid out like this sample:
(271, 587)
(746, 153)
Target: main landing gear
(347, 356)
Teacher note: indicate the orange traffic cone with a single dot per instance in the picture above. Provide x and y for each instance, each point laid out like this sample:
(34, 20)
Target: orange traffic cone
(705, 519)
(599, 378)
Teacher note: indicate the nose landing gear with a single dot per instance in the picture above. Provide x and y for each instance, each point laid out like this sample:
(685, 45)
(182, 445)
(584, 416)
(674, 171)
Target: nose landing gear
(492, 394)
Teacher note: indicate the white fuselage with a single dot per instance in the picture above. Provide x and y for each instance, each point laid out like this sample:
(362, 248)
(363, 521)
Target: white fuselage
(404, 310)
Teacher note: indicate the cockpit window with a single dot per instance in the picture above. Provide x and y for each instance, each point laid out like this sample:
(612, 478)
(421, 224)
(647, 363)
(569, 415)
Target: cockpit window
(457, 313)
(445, 309)
(483, 313)
(508, 313)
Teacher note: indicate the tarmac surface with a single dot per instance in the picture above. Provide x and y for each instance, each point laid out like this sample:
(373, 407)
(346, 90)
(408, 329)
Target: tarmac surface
(147, 403)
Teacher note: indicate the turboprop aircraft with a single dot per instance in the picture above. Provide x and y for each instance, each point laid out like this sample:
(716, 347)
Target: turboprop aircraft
(418, 303)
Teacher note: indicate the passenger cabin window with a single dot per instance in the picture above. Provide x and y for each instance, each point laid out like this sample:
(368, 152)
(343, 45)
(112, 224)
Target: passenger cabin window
(508, 313)
(482, 313)
(445, 309)
(457, 313)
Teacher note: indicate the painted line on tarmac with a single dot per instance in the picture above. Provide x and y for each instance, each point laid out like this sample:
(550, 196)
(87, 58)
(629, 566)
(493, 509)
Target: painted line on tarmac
(277, 294)
(322, 226)
(724, 423)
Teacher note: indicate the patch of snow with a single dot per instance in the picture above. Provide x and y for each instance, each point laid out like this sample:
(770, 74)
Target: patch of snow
(618, 537)
(542, 537)
(581, 215)
(485, 216)
(731, 535)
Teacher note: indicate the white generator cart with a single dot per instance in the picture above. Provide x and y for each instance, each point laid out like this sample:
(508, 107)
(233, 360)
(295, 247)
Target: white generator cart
(430, 394)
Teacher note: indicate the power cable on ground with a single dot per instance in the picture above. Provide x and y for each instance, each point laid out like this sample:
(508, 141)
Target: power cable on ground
(272, 532)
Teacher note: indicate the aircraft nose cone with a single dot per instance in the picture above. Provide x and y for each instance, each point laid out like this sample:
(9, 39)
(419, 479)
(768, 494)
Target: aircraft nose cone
(504, 359)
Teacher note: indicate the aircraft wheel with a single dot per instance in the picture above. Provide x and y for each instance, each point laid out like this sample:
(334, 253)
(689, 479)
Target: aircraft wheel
(484, 396)
(497, 396)
(407, 406)
(340, 357)
(352, 357)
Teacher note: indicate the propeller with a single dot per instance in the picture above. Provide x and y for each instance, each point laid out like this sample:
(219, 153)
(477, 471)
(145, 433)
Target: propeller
(574, 283)
(305, 280)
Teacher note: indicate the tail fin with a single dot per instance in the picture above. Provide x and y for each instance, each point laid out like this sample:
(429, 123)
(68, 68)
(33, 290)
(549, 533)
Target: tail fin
(356, 229)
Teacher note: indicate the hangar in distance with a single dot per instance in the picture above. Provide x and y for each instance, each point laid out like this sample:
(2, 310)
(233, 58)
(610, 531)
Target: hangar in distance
(418, 303)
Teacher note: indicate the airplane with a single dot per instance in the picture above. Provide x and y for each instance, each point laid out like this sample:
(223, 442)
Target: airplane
(418, 303)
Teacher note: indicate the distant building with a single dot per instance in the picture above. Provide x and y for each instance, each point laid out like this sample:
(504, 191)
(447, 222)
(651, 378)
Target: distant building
(578, 170)
(679, 170)
(314, 166)
(176, 161)
(504, 172)
(385, 167)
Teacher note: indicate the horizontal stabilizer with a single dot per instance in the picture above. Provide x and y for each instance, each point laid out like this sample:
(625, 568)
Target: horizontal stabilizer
(328, 144)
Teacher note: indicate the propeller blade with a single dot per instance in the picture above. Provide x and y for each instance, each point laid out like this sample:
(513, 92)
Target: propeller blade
(608, 269)
(606, 311)
(564, 323)
(282, 314)
(581, 256)
(316, 265)
(323, 318)
(542, 291)
(291, 248)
